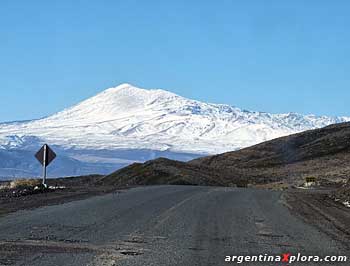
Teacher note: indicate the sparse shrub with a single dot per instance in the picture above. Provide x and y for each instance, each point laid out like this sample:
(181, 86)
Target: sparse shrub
(4, 186)
(310, 179)
(24, 183)
(242, 183)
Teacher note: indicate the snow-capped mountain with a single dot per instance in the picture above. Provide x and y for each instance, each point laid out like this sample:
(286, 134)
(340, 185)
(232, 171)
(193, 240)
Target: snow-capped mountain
(126, 123)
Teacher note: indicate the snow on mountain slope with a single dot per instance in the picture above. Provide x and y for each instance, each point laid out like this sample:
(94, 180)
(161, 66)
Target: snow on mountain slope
(126, 117)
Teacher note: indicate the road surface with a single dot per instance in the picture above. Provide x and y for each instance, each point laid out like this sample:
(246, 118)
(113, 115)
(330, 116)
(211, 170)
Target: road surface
(160, 225)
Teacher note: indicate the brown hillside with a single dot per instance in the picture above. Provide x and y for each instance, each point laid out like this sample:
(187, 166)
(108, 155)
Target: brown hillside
(322, 153)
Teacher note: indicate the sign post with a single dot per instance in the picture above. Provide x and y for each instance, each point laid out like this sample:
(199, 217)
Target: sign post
(45, 156)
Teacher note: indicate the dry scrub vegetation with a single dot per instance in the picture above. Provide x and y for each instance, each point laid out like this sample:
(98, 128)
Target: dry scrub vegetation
(24, 183)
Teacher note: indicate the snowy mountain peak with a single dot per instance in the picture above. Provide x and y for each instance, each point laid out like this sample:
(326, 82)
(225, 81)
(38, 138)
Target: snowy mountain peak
(128, 117)
(127, 89)
(123, 86)
(126, 123)
(129, 97)
(114, 102)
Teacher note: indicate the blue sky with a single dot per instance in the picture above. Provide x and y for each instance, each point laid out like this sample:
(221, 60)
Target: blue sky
(274, 56)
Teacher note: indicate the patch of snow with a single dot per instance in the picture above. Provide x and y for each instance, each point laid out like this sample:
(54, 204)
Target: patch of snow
(346, 204)
(56, 187)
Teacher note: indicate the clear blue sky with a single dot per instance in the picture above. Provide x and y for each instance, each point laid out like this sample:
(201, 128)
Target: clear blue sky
(275, 56)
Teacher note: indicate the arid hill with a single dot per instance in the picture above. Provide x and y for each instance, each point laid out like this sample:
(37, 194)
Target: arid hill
(164, 171)
(321, 153)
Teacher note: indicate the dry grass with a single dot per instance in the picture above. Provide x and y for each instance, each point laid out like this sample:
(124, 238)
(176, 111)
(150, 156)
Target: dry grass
(24, 183)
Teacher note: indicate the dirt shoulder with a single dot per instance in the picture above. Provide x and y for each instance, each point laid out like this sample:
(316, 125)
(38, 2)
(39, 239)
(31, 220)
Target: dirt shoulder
(12, 204)
(318, 208)
(69, 189)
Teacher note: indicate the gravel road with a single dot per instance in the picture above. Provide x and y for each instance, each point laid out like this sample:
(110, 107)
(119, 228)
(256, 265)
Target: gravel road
(160, 225)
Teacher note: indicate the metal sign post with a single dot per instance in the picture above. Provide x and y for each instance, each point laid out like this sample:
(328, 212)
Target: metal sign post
(45, 156)
(44, 165)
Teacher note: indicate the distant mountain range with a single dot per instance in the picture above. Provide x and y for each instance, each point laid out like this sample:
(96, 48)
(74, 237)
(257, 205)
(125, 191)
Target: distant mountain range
(125, 124)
